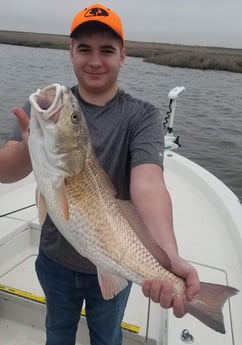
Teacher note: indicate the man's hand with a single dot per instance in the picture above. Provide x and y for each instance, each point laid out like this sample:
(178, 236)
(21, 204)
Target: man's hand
(15, 162)
(162, 292)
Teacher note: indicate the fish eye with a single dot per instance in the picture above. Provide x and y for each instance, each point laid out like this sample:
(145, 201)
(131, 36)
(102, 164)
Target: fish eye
(74, 118)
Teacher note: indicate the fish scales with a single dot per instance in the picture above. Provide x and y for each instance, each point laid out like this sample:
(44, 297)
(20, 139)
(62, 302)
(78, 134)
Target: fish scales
(110, 231)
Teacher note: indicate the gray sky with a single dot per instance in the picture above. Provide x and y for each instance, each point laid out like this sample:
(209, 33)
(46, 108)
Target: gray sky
(197, 22)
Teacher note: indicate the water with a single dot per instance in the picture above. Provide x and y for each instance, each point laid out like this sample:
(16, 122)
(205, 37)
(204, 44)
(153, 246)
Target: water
(208, 114)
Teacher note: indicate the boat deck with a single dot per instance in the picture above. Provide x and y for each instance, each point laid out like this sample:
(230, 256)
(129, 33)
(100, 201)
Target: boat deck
(22, 302)
(208, 235)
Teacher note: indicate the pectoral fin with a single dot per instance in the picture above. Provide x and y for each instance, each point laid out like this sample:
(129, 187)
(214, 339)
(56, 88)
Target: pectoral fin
(110, 284)
(61, 199)
(42, 209)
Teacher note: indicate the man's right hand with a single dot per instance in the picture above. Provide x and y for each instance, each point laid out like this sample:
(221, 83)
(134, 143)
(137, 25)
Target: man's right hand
(15, 162)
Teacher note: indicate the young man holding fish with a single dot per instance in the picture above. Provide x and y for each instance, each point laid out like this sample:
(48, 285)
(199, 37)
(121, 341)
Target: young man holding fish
(128, 140)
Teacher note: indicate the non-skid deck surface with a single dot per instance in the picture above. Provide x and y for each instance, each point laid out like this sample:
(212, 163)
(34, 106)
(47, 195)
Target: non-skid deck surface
(15, 333)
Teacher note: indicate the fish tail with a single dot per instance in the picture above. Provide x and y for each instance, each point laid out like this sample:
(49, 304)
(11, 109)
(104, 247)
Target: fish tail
(207, 305)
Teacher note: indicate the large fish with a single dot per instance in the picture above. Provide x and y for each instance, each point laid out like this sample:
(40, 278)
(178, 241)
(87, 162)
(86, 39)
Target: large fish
(80, 199)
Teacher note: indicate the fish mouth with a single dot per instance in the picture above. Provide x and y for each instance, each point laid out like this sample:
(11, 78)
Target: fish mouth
(46, 98)
(48, 101)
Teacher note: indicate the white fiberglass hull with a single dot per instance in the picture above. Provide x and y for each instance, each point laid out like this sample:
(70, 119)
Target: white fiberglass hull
(207, 219)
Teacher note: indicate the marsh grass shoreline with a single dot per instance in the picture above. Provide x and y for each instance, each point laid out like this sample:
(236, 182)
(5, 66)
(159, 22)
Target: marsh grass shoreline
(173, 55)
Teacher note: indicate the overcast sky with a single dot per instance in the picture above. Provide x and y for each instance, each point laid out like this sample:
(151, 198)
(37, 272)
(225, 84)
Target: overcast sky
(197, 22)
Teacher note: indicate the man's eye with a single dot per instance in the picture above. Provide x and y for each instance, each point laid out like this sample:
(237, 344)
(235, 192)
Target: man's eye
(84, 50)
(108, 51)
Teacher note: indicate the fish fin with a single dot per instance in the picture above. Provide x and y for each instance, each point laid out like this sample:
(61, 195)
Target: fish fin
(133, 217)
(207, 305)
(61, 198)
(110, 284)
(104, 176)
(42, 209)
(109, 183)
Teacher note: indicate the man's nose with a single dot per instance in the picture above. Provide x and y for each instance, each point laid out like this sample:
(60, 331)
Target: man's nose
(95, 59)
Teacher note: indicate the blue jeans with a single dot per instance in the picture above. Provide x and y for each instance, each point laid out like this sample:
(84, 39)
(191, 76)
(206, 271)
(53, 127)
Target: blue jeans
(65, 291)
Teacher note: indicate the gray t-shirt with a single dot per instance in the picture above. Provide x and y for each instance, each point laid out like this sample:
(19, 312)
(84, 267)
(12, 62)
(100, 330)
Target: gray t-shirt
(125, 132)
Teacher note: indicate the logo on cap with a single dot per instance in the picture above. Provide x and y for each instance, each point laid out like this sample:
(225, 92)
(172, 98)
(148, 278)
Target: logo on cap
(96, 12)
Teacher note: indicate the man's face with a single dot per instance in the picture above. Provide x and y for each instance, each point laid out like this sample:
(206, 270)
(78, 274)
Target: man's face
(97, 59)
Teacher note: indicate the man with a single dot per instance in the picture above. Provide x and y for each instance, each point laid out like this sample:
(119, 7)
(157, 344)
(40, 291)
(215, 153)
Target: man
(128, 141)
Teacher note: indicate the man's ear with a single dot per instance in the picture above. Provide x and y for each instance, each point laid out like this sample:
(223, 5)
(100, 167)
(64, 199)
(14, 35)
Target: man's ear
(123, 56)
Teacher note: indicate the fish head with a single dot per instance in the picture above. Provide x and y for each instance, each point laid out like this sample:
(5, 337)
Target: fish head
(59, 139)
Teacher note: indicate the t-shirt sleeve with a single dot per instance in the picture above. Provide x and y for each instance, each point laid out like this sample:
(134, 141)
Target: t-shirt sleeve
(16, 132)
(147, 141)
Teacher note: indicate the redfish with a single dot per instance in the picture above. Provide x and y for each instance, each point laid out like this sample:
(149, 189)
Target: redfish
(80, 199)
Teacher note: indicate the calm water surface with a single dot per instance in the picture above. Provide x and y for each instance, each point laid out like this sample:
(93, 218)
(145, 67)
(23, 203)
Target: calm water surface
(208, 114)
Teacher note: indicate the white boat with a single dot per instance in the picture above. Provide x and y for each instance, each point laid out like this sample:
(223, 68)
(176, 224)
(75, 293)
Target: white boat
(208, 226)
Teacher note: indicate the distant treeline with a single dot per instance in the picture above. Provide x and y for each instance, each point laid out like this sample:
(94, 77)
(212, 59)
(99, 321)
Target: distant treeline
(174, 55)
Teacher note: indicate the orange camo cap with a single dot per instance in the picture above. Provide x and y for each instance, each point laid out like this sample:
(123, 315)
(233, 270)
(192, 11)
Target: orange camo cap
(98, 13)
